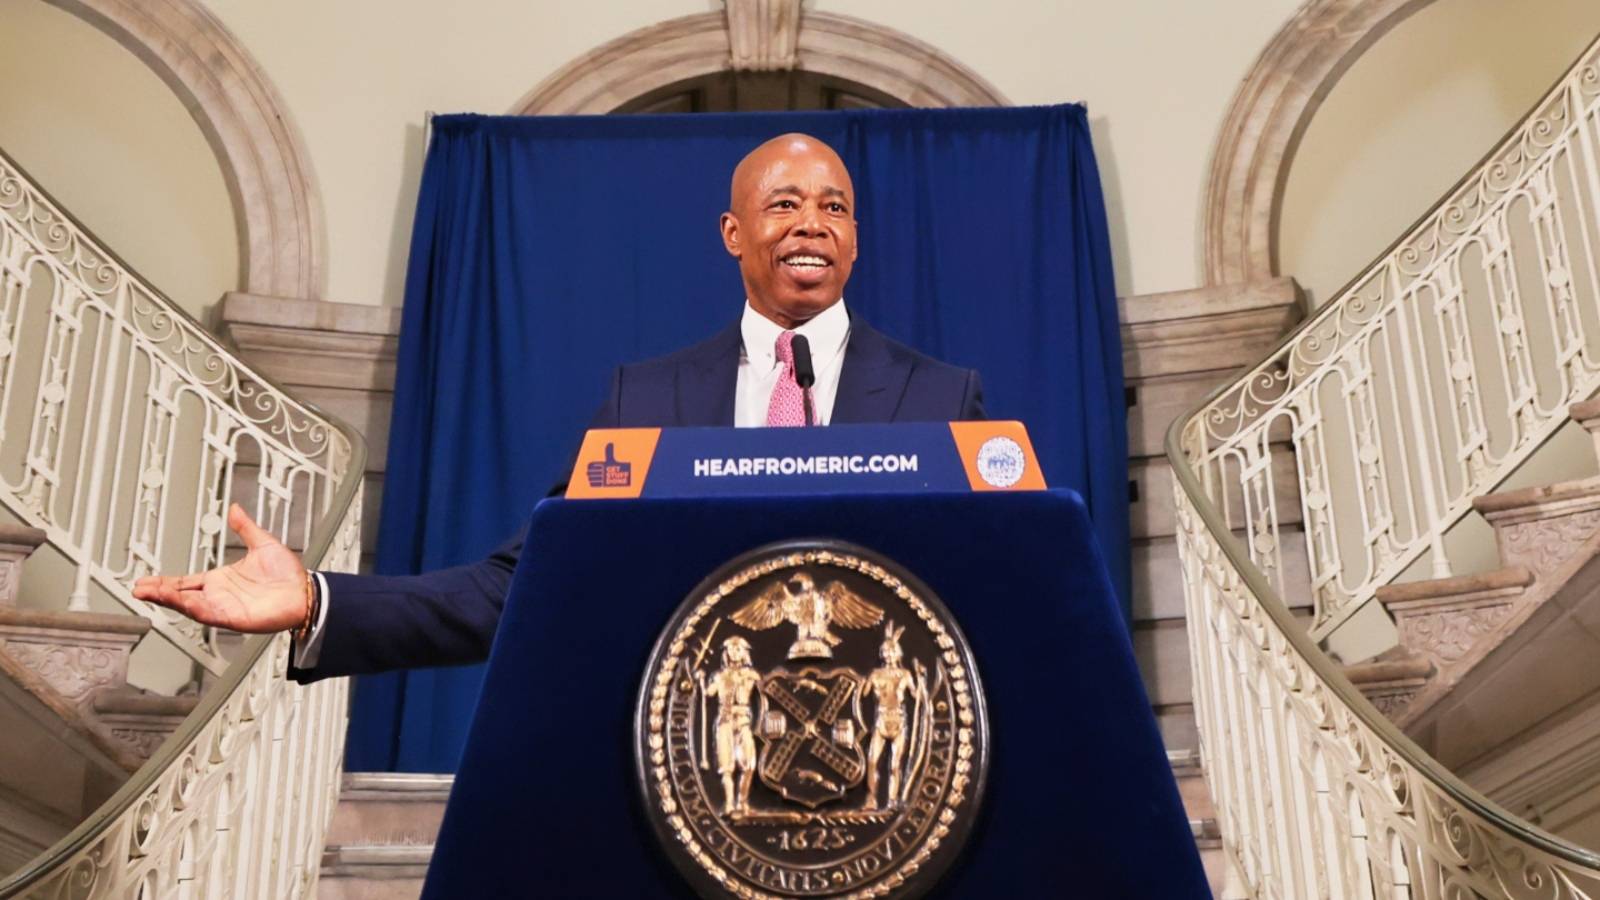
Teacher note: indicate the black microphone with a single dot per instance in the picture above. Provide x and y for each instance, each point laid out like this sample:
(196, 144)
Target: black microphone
(804, 374)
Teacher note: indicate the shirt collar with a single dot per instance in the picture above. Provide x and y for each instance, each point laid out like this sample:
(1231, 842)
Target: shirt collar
(826, 332)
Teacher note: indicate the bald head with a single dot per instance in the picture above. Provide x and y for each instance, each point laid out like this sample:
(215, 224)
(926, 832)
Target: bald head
(785, 146)
(791, 224)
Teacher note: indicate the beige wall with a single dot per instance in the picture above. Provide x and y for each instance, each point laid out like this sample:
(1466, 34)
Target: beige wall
(359, 83)
(358, 77)
(114, 145)
(107, 137)
(1414, 113)
(1157, 76)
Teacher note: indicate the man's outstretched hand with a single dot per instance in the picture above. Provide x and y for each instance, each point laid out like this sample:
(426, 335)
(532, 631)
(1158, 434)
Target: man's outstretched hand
(263, 592)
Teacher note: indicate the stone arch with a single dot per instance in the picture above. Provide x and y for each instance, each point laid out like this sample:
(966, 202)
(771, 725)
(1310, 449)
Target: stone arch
(1268, 116)
(886, 60)
(282, 243)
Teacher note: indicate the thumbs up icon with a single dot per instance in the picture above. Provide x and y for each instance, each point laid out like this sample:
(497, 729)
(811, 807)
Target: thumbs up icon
(609, 472)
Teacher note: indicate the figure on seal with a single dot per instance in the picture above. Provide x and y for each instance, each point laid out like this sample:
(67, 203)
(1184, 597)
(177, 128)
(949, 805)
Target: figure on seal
(810, 609)
(733, 685)
(889, 684)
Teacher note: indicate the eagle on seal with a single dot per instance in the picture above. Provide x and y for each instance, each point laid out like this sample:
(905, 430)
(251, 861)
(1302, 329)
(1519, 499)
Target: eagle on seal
(797, 601)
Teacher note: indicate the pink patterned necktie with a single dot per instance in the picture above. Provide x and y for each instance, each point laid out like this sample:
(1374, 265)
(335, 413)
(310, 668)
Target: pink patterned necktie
(787, 406)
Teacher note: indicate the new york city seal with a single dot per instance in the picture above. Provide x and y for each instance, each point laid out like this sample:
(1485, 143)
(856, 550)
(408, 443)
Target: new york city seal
(811, 724)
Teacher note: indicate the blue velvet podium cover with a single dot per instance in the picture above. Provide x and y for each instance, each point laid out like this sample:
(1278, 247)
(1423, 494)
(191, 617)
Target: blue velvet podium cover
(1080, 799)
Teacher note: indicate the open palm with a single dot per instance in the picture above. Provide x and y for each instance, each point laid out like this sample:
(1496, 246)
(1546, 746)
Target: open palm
(263, 592)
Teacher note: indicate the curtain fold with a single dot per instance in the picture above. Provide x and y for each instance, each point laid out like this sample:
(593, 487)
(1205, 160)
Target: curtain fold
(547, 250)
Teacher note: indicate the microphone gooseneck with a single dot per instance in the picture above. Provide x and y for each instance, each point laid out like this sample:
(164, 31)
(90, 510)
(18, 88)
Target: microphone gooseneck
(804, 374)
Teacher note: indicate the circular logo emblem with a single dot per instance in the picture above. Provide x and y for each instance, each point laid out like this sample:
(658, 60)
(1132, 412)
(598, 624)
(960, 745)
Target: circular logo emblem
(1001, 462)
(811, 725)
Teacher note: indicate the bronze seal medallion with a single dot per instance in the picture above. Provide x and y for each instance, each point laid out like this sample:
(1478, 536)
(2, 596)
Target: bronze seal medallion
(811, 724)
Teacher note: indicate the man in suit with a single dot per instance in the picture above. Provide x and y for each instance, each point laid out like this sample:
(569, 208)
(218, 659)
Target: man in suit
(791, 225)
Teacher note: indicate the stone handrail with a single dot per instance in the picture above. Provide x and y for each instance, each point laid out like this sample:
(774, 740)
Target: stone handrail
(125, 432)
(1370, 430)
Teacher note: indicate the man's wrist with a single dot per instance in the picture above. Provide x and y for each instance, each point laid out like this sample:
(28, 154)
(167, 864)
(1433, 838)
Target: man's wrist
(307, 649)
(313, 598)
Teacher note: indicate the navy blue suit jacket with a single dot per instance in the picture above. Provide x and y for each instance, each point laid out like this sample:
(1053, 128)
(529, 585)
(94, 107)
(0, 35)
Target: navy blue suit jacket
(379, 623)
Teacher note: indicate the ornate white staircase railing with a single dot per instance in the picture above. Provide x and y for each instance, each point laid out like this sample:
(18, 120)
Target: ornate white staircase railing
(1430, 378)
(1367, 434)
(126, 429)
(125, 432)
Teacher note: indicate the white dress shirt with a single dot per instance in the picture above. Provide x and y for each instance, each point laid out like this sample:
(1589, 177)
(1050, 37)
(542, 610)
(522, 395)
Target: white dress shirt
(759, 370)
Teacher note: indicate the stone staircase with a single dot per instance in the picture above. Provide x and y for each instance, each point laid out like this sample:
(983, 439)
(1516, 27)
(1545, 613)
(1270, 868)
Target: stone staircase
(1496, 673)
(1202, 815)
(382, 835)
(74, 729)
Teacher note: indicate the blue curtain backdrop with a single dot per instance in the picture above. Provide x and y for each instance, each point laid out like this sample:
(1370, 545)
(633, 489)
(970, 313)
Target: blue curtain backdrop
(548, 250)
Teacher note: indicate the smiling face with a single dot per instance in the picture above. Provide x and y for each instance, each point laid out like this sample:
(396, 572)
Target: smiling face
(792, 227)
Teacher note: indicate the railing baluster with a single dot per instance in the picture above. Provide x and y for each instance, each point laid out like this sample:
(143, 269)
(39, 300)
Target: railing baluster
(1286, 863)
(1588, 212)
(100, 435)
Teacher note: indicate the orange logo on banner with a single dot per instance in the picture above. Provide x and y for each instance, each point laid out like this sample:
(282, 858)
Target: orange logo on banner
(998, 456)
(613, 462)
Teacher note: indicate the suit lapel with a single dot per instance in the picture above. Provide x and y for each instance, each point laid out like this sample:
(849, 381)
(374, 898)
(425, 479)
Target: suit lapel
(871, 381)
(706, 381)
